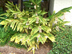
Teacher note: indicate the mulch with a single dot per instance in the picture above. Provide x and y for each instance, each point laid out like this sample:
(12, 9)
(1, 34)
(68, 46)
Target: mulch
(43, 49)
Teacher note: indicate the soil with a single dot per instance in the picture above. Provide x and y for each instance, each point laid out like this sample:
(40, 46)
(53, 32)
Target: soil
(44, 49)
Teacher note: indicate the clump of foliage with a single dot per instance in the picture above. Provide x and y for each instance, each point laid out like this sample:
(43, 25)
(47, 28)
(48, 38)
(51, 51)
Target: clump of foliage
(32, 28)
(5, 35)
(63, 44)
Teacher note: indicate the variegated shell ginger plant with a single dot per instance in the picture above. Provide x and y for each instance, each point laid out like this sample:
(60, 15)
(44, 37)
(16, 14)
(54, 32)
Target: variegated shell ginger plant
(32, 28)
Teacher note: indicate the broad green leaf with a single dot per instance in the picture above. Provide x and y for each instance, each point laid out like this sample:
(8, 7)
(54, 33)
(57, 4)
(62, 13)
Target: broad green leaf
(26, 30)
(3, 22)
(13, 37)
(39, 1)
(31, 20)
(21, 28)
(16, 24)
(40, 39)
(18, 27)
(43, 13)
(43, 20)
(35, 30)
(5, 25)
(17, 8)
(46, 29)
(12, 24)
(44, 38)
(17, 40)
(33, 36)
(51, 37)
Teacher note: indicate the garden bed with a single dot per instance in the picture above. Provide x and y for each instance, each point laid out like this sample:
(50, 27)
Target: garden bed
(44, 49)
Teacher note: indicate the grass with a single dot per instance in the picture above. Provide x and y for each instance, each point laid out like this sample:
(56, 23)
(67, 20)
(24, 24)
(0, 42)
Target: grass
(63, 44)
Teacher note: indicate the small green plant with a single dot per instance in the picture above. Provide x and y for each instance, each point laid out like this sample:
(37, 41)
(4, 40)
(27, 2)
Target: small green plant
(32, 28)
(63, 44)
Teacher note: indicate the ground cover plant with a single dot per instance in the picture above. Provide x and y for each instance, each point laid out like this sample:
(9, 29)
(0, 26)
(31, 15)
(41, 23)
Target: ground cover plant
(63, 44)
(31, 27)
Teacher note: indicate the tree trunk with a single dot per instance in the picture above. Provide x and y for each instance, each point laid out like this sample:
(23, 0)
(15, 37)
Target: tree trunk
(20, 2)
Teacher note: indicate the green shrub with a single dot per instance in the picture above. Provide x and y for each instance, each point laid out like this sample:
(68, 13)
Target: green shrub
(32, 28)
(63, 44)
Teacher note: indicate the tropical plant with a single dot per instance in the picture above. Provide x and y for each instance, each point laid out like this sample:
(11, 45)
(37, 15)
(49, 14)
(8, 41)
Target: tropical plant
(32, 28)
